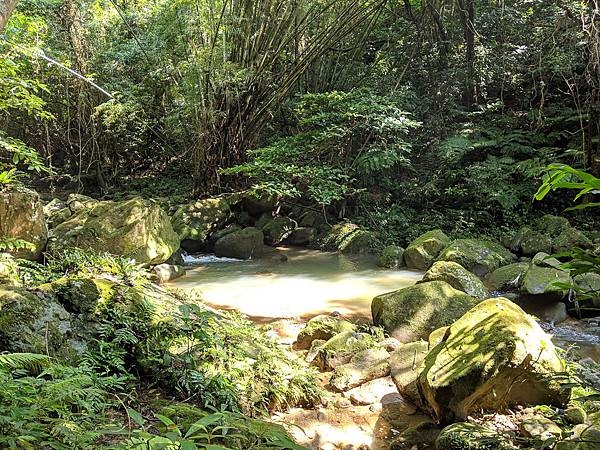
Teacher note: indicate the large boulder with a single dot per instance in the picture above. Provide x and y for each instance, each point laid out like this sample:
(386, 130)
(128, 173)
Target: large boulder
(549, 282)
(529, 241)
(22, 219)
(196, 221)
(508, 278)
(422, 252)
(138, 229)
(392, 257)
(458, 277)
(493, 357)
(412, 313)
(477, 256)
(278, 229)
(569, 239)
(301, 236)
(552, 225)
(256, 205)
(242, 244)
(405, 363)
(349, 238)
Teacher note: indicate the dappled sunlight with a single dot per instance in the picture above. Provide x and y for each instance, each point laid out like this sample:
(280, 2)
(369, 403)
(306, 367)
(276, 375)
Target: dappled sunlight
(307, 284)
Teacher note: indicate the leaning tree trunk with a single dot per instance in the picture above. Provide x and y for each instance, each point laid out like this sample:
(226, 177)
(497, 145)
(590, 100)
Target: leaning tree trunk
(6, 9)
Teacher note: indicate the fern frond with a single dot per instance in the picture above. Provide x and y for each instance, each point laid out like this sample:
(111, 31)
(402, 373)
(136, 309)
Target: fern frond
(29, 361)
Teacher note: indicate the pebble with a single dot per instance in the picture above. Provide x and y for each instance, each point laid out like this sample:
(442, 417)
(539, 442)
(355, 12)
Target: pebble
(343, 403)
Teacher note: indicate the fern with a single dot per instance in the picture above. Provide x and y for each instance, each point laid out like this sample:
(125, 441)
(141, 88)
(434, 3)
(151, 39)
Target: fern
(28, 361)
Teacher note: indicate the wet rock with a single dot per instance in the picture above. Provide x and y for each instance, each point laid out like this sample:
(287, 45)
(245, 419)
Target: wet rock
(242, 244)
(321, 327)
(422, 252)
(458, 277)
(405, 366)
(478, 256)
(414, 312)
(22, 219)
(392, 257)
(167, 272)
(366, 365)
(493, 357)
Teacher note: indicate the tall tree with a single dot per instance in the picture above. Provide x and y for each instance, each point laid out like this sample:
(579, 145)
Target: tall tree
(6, 9)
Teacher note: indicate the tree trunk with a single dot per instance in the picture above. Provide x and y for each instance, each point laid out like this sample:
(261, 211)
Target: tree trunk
(6, 9)
(467, 14)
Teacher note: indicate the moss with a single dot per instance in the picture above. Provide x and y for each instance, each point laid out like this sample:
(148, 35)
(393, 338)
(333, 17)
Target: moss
(541, 281)
(437, 336)
(197, 220)
(321, 327)
(468, 436)
(575, 415)
(405, 364)
(412, 313)
(340, 348)
(136, 228)
(485, 351)
(421, 252)
(477, 256)
(392, 257)
(569, 239)
(508, 278)
(334, 238)
(552, 225)
(458, 277)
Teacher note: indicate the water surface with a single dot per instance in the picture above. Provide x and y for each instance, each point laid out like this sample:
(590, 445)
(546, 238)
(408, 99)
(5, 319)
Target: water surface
(308, 283)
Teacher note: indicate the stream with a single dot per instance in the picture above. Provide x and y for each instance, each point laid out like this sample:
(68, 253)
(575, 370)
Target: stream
(293, 283)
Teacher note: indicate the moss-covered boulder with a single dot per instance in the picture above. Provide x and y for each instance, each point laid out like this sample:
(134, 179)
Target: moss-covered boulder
(469, 436)
(477, 256)
(138, 229)
(589, 285)
(569, 239)
(552, 225)
(529, 241)
(22, 219)
(256, 205)
(437, 336)
(412, 313)
(79, 295)
(242, 244)
(80, 202)
(196, 221)
(278, 229)
(56, 212)
(321, 327)
(542, 281)
(37, 323)
(422, 252)
(9, 270)
(366, 365)
(508, 278)
(340, 349)
(349, 238)
(391, 257)
(405, 364)
(493, 357)
(458, 277)
(301, 236)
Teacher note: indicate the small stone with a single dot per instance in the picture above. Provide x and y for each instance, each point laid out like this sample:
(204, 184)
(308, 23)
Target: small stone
(343, 403)
(575, 415)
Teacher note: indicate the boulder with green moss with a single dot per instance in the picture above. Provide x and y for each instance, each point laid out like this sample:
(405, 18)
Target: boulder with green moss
(365, 365)
(477, 256)
(242, 244)
(545, 281)
(255, 205)
(80, 202)
(508, 278)
(212, 240)
(422, 252)
(405, 364)
(437, 336)
(321, 327)
(469, 436)
(493, 357)
(349, 238)
(23, 230)
(301, 236)
(413, 312)
(138, 229)
(569, 239)
(341, 348)
(197, 220)
(529, 241)
(552, 225)
(9, 270)
(585, 437)
(278, 229)
(458, 277)
(391, 257)
(588, 284)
